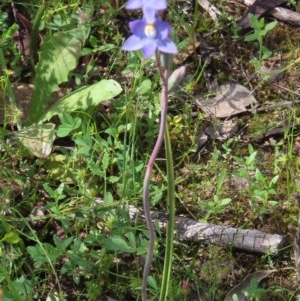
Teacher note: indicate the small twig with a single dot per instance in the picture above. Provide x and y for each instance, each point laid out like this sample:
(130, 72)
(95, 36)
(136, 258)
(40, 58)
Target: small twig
(288, 90)
(284, 103)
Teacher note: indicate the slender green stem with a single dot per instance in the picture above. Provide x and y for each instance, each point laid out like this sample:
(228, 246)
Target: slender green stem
(8, 86)
(171, 221)
(147, 178)
(11, 95)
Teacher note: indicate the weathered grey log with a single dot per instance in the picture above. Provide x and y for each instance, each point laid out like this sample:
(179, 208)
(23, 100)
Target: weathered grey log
(296, 234)
(198, 232)
(258, 8)
(280, 13)
(286, 15)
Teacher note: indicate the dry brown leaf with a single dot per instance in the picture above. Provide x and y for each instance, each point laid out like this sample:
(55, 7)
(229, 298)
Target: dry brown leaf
(229, 100)
(222, 130)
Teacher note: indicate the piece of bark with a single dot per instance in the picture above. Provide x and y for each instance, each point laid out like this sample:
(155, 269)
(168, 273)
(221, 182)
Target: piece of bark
(286, 15)
(297, 240)
(260, 7)
(243, 239)
(211, 9)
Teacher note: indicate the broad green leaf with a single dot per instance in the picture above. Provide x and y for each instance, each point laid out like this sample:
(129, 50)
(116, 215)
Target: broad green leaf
(62, 244)
(84, 98)
(274, 180)
(255, 22)
(142, 250)
(266, 53)
(95, 169)
(58, 57)
(48, 189)
(152, 282)
(7, 34)
(84, 144)
(107, 47)
(259, 176)
(131, 239)
(11, 238)
(113, 179)
(144, 87)
(58, 167)
(221, 179)
(270, 26)
(68, 124)
(225, 202)
(108, 198)
(105, 161)
(118, 244)
(23, 285)
(4, 223)
(38, 139)
(9, 296)
(251, 37)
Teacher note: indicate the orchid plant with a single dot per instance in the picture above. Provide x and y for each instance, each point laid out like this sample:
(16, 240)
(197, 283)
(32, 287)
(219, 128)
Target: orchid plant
(151, 35)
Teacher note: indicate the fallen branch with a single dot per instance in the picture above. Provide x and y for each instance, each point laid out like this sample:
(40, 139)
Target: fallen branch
(286, 15)
(279, 13)
(243, 239)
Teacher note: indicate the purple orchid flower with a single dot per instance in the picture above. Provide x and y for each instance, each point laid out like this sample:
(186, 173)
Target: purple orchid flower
(149, 35)
(154, 4)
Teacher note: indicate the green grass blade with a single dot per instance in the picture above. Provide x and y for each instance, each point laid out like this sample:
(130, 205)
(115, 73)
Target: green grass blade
(171, 214)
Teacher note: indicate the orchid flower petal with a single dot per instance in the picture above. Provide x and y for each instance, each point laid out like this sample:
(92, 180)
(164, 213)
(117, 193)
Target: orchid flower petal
(134, 4)
(133, 43)
(149, 14)
(137, 27)
(149, 48)
(151, 33)
(168, 47)
(164, 28)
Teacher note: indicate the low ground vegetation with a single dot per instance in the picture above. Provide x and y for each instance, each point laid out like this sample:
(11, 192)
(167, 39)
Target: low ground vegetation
(65, 229)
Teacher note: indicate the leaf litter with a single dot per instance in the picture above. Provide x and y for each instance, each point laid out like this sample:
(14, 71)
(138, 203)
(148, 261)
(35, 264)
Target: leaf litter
(228, 100)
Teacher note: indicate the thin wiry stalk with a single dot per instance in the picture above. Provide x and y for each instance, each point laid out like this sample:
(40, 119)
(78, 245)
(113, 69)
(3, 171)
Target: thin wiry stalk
(147, 178)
